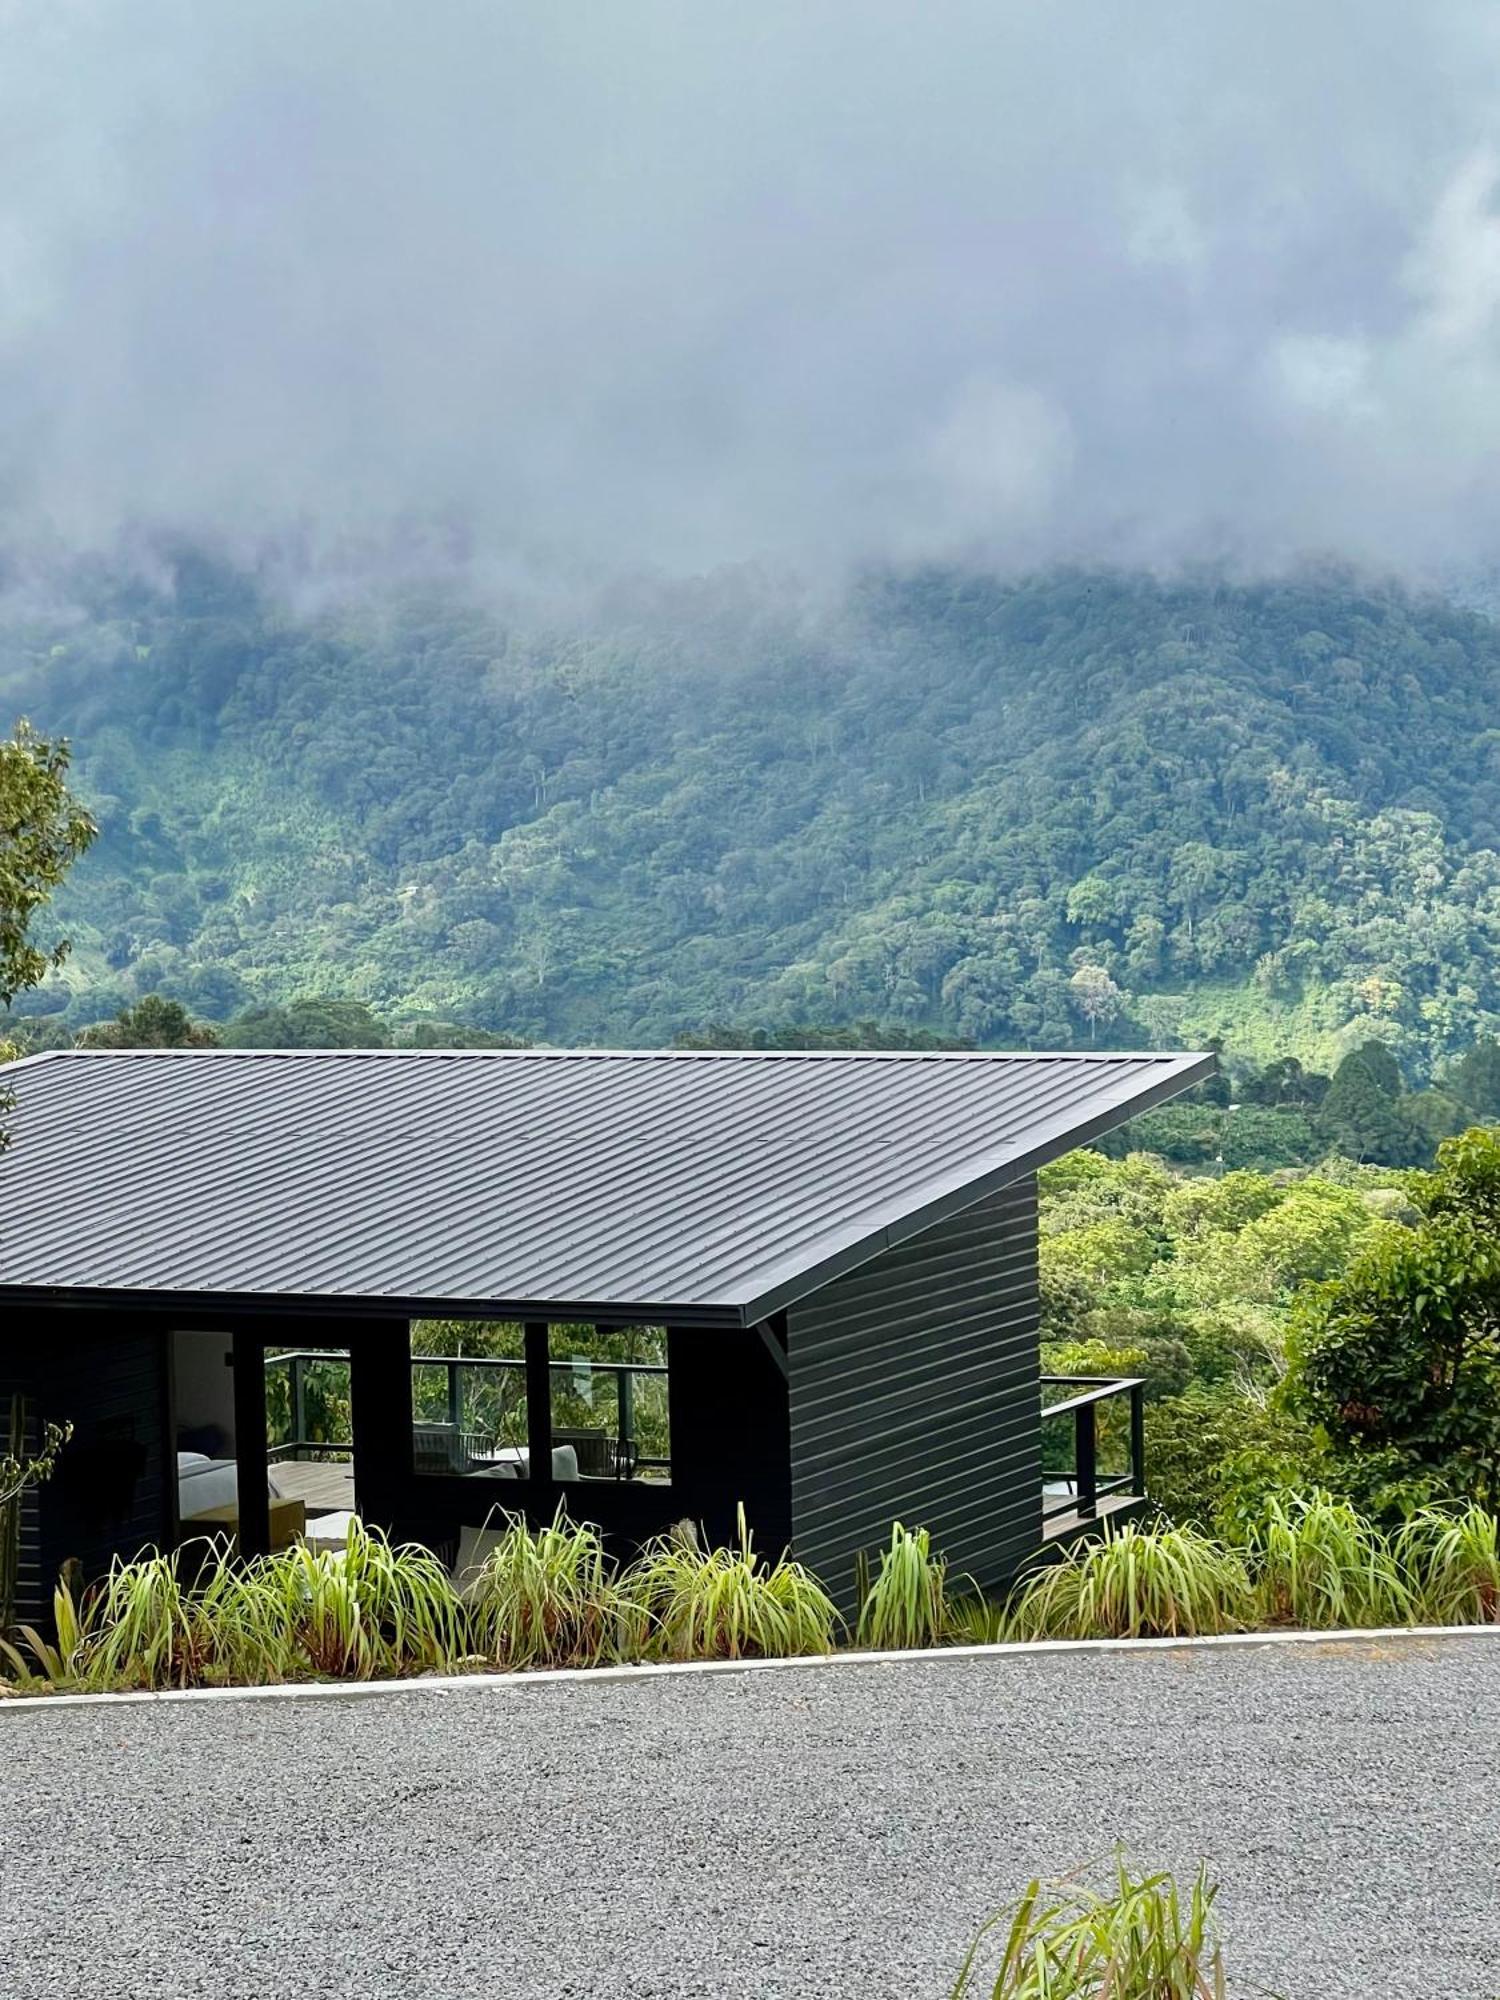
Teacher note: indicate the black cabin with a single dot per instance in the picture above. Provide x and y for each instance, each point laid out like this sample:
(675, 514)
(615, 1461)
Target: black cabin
(270, 1288)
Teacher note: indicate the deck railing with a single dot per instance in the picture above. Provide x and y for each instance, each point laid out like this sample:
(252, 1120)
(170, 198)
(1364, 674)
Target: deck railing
(1094, 1396)
(457, 1403)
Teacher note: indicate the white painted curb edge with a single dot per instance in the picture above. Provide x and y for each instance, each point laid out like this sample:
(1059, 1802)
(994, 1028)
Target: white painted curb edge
(1021, 1649)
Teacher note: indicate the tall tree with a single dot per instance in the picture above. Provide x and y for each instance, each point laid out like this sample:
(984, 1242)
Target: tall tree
(43, 830)
(1475, 1079)
(1095, 995)
(152, 1023)
(1363, 1117)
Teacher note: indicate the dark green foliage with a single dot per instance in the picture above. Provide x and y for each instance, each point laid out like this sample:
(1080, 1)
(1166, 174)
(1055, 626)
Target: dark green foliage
(34, 1034)
(1263, 1140)
(1021, 814)
(1399, 1359)
(1198, 1135)
(1187, 1134)
(1437, 1116)
(43, 831)
(1215, 1453)
(1191, 1285)
(1379, 1064)
(152, 1023)
(453, 1035)
(308, 1024)
(1474, 1080)
(1364, 1115)
(858, 1035)
(1284, 1085)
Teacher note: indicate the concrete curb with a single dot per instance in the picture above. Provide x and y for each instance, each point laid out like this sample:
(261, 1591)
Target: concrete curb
(549, 1676)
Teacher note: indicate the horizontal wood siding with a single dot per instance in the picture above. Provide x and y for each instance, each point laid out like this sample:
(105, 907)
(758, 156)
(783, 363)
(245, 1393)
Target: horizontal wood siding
(114, 1489)
(30, 1593)
(915, 1397)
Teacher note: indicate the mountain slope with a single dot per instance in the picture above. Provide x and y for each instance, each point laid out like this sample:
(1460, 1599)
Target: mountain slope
(1026, 813)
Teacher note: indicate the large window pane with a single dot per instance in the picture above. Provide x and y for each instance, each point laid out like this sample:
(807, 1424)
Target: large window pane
(608, 1389)
(609, 1403)
(468, 1397)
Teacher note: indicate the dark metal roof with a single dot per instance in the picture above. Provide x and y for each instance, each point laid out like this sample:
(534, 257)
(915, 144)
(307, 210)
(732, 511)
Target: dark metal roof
(711, 1187)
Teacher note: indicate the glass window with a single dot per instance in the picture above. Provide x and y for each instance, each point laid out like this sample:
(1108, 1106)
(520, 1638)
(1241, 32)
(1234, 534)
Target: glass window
(468, 1398)
(608, 1392)
(610, 1415)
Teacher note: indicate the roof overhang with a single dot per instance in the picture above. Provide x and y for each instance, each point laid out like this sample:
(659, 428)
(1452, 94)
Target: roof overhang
(777, 1297)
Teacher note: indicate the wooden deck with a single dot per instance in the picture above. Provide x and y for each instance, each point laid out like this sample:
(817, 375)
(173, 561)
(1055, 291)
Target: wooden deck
(1110, 1507)
(325, 1487)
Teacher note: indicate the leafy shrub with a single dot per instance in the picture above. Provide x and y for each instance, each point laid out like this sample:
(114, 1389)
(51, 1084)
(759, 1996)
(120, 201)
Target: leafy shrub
(1136, 1583)
(1216, 1453)
(551, 1599)
(1320, 1565)
(726, 1604)
(1401, 1355)
(1140, 1938)
(907, 1604)
(35, 1661)
(1264, 1139)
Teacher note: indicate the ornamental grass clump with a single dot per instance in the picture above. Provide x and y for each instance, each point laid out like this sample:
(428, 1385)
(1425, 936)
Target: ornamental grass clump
(191, 1619)
(907, 1604)
(727, 1604)
(1139, 1938)
(1452, 1560)
(367, 1610)
(1136, 1583)
(1320, 1565)
(551, 1599)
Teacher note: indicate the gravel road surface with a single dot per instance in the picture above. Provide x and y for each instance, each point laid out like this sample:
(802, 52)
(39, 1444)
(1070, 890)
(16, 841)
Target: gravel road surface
(805, 1834)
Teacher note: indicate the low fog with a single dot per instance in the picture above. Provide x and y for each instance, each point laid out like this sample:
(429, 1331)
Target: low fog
(564, 287)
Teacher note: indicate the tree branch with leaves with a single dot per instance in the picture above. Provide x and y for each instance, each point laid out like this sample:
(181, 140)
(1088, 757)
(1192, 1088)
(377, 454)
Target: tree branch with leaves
(43, 831)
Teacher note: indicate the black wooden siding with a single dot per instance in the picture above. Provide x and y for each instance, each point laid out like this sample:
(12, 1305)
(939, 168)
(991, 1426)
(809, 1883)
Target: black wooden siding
(114, 1487)
(915, 1397)
(31, 1594)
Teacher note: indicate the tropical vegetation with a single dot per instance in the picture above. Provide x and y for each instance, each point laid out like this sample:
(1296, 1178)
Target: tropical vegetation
(1338, 1327)
(1069, 809)
(552, 1596)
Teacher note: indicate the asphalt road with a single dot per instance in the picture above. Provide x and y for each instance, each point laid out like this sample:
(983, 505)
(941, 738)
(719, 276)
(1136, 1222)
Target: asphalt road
(807, 1834)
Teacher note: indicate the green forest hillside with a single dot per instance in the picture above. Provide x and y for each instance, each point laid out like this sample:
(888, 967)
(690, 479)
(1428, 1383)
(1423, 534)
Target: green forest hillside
(1077, 807)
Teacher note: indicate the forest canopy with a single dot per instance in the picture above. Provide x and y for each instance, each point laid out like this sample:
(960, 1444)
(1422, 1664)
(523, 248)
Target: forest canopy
(1075, 809)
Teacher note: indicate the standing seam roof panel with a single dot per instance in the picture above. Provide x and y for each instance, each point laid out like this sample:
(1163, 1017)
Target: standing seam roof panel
(656, 1177)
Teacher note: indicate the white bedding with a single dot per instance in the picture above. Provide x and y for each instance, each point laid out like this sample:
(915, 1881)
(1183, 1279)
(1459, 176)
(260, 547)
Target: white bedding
(206, 1483)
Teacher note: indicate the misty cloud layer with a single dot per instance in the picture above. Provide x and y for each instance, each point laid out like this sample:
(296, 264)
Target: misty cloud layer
(673, 284)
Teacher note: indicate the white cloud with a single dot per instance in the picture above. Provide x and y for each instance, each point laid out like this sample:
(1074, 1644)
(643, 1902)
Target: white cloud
(671, 285)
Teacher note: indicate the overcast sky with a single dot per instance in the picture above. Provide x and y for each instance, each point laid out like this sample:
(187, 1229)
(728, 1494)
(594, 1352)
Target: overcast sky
(678, 283)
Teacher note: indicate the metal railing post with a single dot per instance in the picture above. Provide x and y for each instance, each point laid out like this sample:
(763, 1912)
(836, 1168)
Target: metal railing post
(1138, 1439)
(455, 1397)
(625, 1395)
(299, 1405)
(1086, 1458)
